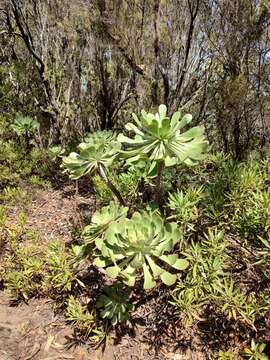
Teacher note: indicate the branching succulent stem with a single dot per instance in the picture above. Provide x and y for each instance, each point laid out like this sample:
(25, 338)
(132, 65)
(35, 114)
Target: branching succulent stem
(110, 185)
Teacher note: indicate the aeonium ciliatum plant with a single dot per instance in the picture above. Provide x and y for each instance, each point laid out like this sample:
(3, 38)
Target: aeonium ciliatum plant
(96, 153)
(159, 139)
(142, 244)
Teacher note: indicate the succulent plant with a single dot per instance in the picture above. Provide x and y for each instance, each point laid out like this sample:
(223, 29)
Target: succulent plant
(24, 126)
(96, 151)
(102, 219)
(95, 155)
(158, 138)
(55, 152)
(141, 244)
(113, 303)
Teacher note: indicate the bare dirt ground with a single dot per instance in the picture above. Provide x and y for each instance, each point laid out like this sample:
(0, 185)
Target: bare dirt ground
(34, 332)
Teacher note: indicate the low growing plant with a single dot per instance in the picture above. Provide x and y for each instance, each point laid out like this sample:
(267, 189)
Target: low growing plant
(79, 315)
(255, 351)
(60, 275)
(113, 304)
(143, 243)
(226, 355)
(184, 207)
(25, 127)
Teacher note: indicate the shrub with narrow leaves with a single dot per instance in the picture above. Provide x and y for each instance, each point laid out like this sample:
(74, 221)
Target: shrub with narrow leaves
(184, 207)
(143, 243)
(255, 351)
(226, 355)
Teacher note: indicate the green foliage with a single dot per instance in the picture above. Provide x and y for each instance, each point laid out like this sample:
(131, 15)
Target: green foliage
(255, 351)
(101, 220)
(184, 206)
(226, 355)
(253, 218)
(207, 264)
(235, 304)
(113, 304)
(127, 182)
(96, 154)
(23, 269)
(3, 216)
(79, 315)
(158, 138)
(25, 126)
(55, 152)
(17, 164)
(60, 276)
(207, 282)
(37, 180)
(14, 195)
(249, 199)
(98, 149)
(132, 245)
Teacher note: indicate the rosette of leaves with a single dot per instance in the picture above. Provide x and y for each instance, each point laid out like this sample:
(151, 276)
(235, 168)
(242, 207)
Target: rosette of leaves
(97, 229)
(55, 152)
(25, 125)
(96, 151)
(143, 243)
(94, 156)
(113, 304)
(105, 136)
(102, 219)
(160, 139)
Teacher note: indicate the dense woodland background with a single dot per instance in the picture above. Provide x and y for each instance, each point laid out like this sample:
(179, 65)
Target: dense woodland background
(86, 64)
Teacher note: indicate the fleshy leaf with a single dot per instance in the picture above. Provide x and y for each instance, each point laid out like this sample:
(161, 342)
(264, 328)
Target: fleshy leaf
(149, 282)
(180, 264)
(162, 111)
(99, 262)
(168, 278)
(113, 271)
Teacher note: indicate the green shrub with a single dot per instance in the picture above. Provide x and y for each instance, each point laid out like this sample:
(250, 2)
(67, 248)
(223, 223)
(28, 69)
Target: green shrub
(13, 195)
(59, 275)
(252, 215)
(255, 351)
(23, 270)
(79, 315)
(207, 260)
(184, 207)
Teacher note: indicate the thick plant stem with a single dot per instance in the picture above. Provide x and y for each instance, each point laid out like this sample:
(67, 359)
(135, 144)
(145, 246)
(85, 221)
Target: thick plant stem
(104, 177)
(159, 187)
